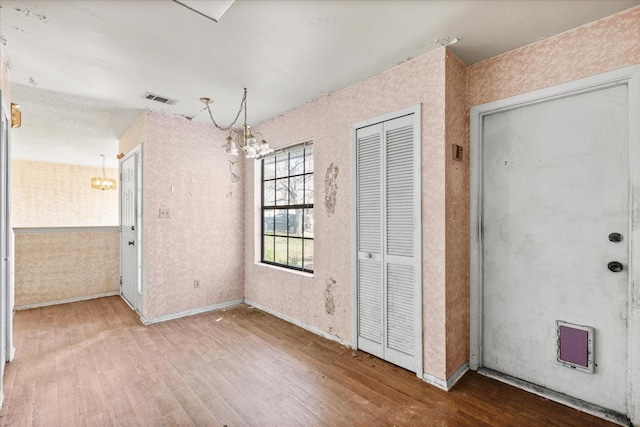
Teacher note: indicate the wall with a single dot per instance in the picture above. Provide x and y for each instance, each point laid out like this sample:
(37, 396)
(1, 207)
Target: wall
(60, 195)
(328, 121)
(78, 263)
(186, 171)
(457, 217)
(595, 48)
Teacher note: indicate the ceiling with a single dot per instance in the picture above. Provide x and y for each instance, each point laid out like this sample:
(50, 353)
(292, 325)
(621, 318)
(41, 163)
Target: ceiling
(80, 68)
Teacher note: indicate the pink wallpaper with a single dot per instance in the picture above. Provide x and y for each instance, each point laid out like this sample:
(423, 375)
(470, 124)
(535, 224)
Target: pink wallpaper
(457, 217)
(186, 171)
(604, 45)
(328, 121)
(60, 265)
(135, 135)
(60, 195)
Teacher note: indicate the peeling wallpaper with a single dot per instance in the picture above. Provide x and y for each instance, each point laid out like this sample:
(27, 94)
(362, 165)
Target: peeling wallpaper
(60, 195)
(186, 171)
(328, 122)
(56, 266)
(600, 46)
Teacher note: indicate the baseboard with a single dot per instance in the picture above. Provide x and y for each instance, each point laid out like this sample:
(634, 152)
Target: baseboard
(187, 313)
(298, 323)
(447, 384)
(572, 402)
(65, 301)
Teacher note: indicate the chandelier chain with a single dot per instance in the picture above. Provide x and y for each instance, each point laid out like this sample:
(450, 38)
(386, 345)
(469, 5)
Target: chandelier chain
(243, 106)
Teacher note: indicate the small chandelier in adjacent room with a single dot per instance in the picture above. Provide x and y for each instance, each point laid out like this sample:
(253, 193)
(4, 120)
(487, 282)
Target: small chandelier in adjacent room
(241, 139)
(103, 183)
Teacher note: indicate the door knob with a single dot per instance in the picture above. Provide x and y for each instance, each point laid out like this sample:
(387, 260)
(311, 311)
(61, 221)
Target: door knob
(131, 243)
(615, 266)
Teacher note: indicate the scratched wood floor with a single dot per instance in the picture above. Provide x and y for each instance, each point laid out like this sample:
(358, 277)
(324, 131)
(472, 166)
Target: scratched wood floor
(92, 363)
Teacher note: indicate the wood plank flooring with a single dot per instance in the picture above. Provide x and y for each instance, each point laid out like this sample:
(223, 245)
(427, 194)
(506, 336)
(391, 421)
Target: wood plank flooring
(92, 363)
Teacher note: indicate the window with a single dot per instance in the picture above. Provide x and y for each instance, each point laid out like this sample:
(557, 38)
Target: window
(287, 209)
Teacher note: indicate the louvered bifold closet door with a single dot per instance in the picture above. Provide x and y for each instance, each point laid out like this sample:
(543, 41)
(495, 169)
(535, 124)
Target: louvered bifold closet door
(369, 222)
(400, 232)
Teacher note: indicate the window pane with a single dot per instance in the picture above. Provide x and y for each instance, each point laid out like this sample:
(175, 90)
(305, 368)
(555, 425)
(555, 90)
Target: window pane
(282, 191)
(295, 253)
(308, 189)
(269, 193)
(308, 255)
(280, 221)
(296, 162)
(268, 254)
(296, 190)
(295, 222)
(308, 223)
(268, 216)
(281, 250)
(282, 165)
(308, 156)
(269, 167)
(287, 229)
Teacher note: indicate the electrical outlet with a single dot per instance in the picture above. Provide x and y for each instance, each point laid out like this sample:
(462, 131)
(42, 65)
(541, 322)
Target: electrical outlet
(165, 213)
(196, 283)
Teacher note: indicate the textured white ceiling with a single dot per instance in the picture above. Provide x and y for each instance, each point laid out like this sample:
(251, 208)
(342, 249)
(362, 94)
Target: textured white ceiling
(286, 53)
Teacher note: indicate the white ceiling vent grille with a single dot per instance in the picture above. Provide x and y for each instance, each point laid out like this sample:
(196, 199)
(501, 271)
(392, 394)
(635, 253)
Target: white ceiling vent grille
(159, 98)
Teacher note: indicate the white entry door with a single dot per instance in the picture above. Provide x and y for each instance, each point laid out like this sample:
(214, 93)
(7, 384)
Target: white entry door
(555, 190)
(129, 241)
(387, 235)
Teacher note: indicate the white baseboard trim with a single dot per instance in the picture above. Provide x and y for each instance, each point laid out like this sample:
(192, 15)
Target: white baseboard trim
(191, 312)
(447, 384)
(563, 399)
(64, 301)
(298, 323)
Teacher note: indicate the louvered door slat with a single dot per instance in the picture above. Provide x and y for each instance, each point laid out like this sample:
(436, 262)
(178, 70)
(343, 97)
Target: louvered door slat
(399, 203)
(368, 197)
(370, 298)
(400, 308)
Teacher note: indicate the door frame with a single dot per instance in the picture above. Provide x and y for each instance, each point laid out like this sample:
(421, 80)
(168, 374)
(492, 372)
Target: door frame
(139, 295)
(416, 110)
(5, 110)
(629, 76)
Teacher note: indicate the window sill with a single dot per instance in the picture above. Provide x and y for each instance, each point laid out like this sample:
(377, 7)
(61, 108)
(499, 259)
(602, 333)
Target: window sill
(286, 270)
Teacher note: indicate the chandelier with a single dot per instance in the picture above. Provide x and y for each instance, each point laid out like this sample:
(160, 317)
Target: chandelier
(103, 183)
(241, 139)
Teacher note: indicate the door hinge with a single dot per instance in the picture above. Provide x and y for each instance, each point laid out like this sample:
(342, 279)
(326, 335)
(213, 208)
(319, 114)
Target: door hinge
(120, 281)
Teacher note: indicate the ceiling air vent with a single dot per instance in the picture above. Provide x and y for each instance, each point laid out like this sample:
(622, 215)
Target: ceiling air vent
(158, 98)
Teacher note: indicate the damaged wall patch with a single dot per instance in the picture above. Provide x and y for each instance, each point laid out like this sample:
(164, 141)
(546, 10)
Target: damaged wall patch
(331, 188)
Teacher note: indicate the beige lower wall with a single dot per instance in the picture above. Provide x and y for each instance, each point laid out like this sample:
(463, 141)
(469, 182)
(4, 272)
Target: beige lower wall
(60, 195)
(57, 264)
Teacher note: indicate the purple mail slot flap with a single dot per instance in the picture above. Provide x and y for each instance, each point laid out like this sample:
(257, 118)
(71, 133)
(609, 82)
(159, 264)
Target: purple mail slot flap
(574, 346)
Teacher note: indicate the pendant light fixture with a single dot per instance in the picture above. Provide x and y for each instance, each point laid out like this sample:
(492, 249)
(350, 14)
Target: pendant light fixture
(240, 139)
(103, 183)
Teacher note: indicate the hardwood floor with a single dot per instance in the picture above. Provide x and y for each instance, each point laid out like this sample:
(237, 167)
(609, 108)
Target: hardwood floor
(92, 363)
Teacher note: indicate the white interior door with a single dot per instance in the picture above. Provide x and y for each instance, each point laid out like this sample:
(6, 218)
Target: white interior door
(555, 186)
(129, 227)
(388, 239)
